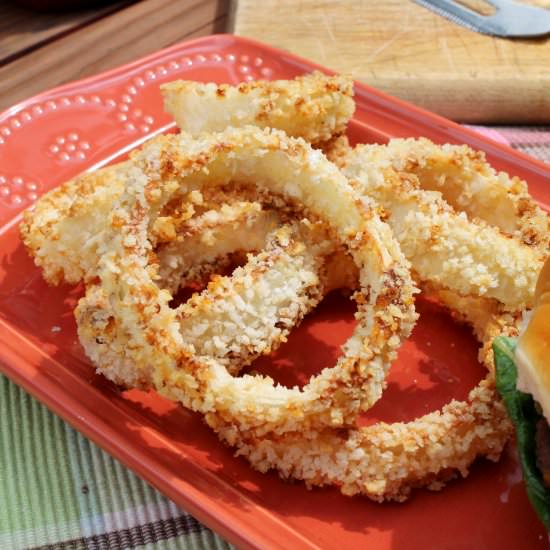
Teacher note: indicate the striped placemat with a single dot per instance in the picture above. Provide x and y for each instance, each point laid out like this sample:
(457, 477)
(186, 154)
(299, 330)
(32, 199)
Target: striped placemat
(60, 491)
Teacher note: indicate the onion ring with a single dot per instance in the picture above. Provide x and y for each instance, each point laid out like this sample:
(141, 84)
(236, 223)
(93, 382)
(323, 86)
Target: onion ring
(173, 165)
(293, 272)
(61, 231)
(314, 106)
(470, 184)
(386, 461)
(443, 245)
(97, 328)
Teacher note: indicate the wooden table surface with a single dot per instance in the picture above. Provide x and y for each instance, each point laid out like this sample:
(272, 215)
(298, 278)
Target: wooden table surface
(39, 51)
(407, 51)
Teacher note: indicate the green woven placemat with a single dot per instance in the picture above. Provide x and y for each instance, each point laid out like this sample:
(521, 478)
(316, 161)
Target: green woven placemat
(59, 490)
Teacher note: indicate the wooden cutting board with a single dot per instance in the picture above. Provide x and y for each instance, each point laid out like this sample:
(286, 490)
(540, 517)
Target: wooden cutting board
(412, 53)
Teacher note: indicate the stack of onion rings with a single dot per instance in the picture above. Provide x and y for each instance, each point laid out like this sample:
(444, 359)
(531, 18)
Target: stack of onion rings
(180, 209)
(385, 299)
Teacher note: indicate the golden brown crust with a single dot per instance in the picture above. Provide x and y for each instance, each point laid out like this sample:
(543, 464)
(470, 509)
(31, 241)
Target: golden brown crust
(444, 245)
(314, 106)
(61, 230)
(470, 184)
(385, 310)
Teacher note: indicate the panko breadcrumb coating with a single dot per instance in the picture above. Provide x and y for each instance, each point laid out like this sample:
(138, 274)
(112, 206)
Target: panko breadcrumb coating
(63, 229)
(314, 106)
(470, 184)
(336, 149)
(289, 271)
(442, 245)
(387, 461)
(199, 247)
(173, 166)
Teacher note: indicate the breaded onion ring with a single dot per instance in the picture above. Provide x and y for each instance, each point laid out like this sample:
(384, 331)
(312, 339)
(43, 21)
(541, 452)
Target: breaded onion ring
(442, 245)
(196, 249)
(386, 461)
(201, 251)
(63, 228)
(470, 184)
(314, 106)
(283, 283)
(203, 322)
(171, 166)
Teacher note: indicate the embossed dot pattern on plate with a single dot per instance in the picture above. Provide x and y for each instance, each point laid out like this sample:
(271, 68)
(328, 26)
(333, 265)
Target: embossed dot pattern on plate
(18, 191)
(130, 115)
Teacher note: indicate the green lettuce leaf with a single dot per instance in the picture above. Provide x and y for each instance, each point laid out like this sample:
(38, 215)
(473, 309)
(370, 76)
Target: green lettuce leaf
(523, 412)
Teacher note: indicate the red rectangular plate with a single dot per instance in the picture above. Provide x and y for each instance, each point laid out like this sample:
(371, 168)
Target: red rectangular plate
(50, 138)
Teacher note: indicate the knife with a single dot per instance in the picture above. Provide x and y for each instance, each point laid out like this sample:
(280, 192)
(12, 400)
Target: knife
(510, 20)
